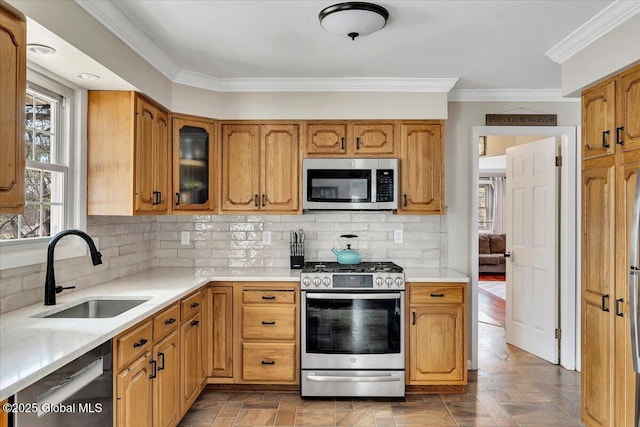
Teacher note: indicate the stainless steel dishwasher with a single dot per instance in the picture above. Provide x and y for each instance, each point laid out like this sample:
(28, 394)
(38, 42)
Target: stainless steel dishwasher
(80, 394)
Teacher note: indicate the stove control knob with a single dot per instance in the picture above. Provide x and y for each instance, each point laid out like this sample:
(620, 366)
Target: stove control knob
(399, 281)
(388, 281)
(316, 281)
(326, 281)
(306, 281)
(379, 281)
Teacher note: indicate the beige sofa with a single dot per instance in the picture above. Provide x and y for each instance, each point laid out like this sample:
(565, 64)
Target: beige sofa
(491, 251)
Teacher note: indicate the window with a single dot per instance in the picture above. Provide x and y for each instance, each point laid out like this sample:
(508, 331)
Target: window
(485, 206)
(55, 175)
(46, 171)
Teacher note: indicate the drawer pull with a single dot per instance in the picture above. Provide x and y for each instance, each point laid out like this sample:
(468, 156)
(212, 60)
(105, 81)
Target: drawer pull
(268, 362)
(140, 343)
(264, 322)
(194, 305)
(268, 297)
(195, 323)
(436, 295)
(170, 321)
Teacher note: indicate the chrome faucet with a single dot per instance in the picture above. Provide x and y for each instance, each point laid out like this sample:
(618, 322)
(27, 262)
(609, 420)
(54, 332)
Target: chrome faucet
(50, 288)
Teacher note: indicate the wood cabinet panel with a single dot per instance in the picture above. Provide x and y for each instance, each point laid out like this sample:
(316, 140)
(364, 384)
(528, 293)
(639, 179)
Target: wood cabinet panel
(221, 331)
(326, 138)
(134, 394)
(628, 126)
(162, 162)
(133, 343)
(191, 378)
(268, 296)
(166, 385)
(269, 322)
(166, 321)
(437, 294)
(279, 154)
(422, 158)
(269, 362)
(13, 84)
(374, 138)
(191, 305)
(240, 167)
(598, 120)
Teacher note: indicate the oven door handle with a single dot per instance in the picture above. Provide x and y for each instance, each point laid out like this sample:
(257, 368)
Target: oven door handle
(345, 379)
(324, 295)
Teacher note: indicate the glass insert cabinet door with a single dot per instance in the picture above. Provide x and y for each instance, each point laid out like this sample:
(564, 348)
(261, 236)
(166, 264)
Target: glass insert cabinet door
(193, 174)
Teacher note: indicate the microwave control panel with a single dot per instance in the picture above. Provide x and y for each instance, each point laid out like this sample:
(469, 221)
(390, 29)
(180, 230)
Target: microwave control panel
(384, 185)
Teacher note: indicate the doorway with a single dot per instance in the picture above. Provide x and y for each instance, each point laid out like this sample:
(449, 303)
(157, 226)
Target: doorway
(568, 223)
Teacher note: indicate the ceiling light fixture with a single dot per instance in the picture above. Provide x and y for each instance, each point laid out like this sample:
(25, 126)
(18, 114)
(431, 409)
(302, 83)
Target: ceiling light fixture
(41, 49)
(353, 19)
(87, 76)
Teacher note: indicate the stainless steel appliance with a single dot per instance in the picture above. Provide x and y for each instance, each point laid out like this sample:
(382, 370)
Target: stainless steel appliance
(79, 394)
(634, 298)
(350, 184)
(352, 329)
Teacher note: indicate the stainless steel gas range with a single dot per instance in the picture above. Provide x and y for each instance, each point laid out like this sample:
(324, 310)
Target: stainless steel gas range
(352, 329)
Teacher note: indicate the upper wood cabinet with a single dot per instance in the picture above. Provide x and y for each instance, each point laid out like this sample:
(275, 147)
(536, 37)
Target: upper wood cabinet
(128, 155)
(194, 164)
(611, 115)
(260, 168)
(13, 84)
(422, 165)
(350, 138)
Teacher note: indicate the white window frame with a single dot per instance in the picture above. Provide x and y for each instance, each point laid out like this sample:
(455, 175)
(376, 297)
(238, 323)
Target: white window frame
(20, 253)
(485, 182)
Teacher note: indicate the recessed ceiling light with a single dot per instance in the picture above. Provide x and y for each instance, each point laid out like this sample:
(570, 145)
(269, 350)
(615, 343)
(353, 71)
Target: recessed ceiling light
(41, 49)
(87, 76)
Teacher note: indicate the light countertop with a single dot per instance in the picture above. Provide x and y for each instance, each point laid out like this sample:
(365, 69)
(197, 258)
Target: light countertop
(32, 347)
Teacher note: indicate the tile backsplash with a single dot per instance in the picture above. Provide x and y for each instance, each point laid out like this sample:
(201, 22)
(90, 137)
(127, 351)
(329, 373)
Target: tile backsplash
(133, 244)
(127, 244)
(222, 241)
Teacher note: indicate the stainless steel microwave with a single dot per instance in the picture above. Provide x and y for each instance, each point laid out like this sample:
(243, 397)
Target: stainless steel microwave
(350, 184)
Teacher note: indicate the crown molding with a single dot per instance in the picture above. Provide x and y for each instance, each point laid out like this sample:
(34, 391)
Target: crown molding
(508, 95)
(106, 13)
(341, 84)
(609, 18)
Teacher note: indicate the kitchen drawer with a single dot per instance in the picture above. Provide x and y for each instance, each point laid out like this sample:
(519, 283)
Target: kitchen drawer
(166, 321)
(191, 305)
(133, 343)
(259, 322)
(269, 296)
(436, 293)
(269, 362)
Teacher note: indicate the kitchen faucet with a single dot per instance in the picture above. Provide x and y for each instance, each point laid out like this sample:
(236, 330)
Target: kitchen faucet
(50, 288)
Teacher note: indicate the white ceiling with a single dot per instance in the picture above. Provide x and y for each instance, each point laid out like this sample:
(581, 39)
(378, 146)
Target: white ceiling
(487, 44)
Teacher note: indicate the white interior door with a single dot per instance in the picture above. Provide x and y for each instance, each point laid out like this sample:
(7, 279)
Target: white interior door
(532, 239)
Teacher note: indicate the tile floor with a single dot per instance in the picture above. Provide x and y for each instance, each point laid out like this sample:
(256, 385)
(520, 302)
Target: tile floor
(513, 388)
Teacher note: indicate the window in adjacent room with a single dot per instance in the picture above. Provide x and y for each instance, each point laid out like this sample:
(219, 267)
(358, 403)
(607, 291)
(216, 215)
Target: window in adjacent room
(485, 206)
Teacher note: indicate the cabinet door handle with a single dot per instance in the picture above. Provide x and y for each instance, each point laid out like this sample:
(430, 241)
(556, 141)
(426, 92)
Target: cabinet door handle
(177, 199)
(605, 303)
(436, 295)
(154, 372)
(268, 297)
(154, 198)
(159, 197)
(194, 304)
(619, 140)
(342, 143)
(161, 367)
(605, 139)
(140, 343)
(169, 321)
(264, 322)
(263, 199)
(413, 317)
(357, 143)
(619, 312)
(268, 362)
(255, 199)
(195, 323)
(405, 200)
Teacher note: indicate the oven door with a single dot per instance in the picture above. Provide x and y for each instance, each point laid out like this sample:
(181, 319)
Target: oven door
(354, 330)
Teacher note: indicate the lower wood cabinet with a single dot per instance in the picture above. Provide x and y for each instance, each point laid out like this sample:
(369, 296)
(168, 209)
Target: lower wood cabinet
(436, 331)
(219, 302)
(193, 374)
(166, 391)
(134, 394)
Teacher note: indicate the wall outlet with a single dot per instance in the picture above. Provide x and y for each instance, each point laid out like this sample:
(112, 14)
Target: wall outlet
(398, 236)
(185, 238)
(266, 237)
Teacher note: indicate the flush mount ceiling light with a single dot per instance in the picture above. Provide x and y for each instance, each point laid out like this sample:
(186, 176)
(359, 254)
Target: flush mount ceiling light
(353, 19)
(87, 76)
(41, 49)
